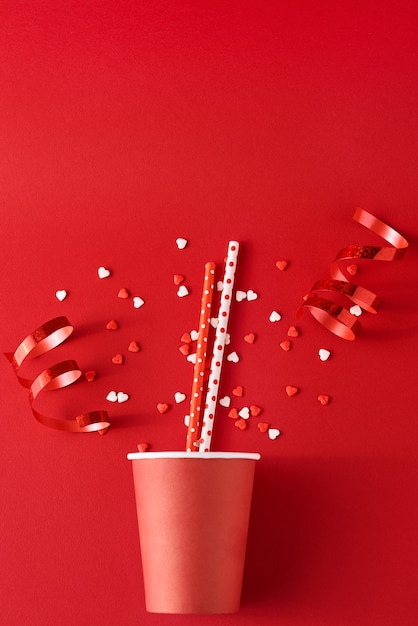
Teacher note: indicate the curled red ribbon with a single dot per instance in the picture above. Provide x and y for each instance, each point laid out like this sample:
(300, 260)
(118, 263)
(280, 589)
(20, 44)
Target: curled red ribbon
(333, 316)
(60, 375)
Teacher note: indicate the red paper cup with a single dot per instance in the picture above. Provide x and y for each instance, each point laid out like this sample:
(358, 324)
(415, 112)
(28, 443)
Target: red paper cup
(193, 511)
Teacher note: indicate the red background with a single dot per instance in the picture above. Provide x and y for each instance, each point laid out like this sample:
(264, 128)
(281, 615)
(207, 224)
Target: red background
(126, 125)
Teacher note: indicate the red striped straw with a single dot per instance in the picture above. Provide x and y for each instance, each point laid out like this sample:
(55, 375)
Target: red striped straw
(192, 443)
(219, 348)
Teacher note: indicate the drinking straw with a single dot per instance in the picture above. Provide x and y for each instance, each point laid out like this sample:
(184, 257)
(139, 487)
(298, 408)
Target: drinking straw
(200, 364)
(219, 347)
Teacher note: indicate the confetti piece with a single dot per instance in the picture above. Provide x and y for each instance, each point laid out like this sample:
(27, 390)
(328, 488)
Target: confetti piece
(90, 375)
(356, 310)
(240, 295)
(185, 349)
(263, 427)
(182, 291)
(352, 269)
(240, 423)
(178, 279)
(112, 396)
(112, 325)
(162, 407)
(181, 243)
(225, 401)
(324, 354)
(244, 413)
(255, 410)
(323, 399)
(238, 391)
(138, 302)
(179, 397)
(251, 295)
(291, 391)
(134, 347)
(123, 293)
(233, 357)
(281, 265)
(250, 338)
(103, 272)
(293, 332)
(117, 359)
(122, 396)
(273, 433)
(275, 316)
(233, 414)
(61, 294)
(285, 345)
(143, 447)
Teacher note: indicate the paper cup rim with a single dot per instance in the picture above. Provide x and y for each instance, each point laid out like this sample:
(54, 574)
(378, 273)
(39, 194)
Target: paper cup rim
(254, 456)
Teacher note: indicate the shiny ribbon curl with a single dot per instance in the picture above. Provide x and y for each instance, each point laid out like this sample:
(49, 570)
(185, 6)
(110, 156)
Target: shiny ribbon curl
(41, 340)
(337, 318)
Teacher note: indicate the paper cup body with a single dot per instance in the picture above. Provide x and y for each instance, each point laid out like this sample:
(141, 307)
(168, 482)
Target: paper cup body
(193, 513)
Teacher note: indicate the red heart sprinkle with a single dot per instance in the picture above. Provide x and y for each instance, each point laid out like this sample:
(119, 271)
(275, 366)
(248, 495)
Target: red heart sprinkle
(285, 345)
(281, 265)
(323, 399)
(133, 347)
(117, 359)
(186, 338)
(90, 375)
(240, 423)
(185, 349)
(263, 427)
(233, 414)
(112, 325)
(250, 338)
(238, 391)
(103, 431)
(142, 447)
(293, 332)
(123, 293)
(255, 410)
(291, 391)
(162, 407)
(178, 279)
(352, 269)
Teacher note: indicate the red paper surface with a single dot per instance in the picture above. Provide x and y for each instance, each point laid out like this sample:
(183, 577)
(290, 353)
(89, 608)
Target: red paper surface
(125, 127)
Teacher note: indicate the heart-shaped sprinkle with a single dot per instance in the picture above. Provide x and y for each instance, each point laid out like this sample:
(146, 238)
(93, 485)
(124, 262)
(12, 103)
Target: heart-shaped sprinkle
(181, 243)
(285, 345)
(112, 396)
(112, 325)
(103, 431)
(185, 338)
(185, 349)
(240, 423)
(142, 447)
(291, 391)
(233, 414)
(244, 413)
(273, 433)
(281, 265)
(323, 399)
(162, 407)
(122, 396)
(133, 346)
(263, 427)
(90, 375)
(103, 272)
(352, 269)
(117, 359)
(186, 420)
(61, 294)
(324, 354)
(251, 295)
(219, 285)
(233, 357)
(138, 302)
(238, 391)
(194, 335)
(178, 279)
(275, 316)
(250, 338)
(192, 358)
(123, 293)
(214, 321)
(293, 332)
(255, 410)
(225, 401)
(179, 397)
(227, 339)
(182, 291)
(356, 310)
(240, 295)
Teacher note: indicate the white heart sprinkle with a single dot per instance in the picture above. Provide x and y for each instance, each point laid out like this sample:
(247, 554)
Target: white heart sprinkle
(103, 272)
(191, 357)
(112, 396)
(219, 285)
(275, 316)
(244, 413)
(182, 291)
(251, 295)
(214, 321)
(356, 310)
(61, 294)
(233, 356)
(122, 397)
(181, 243)
(187, 420)
(227, 339)
(138, 302)
(179, 397)
(324, 354)
(194, 335)
(240, 295)
(225, 401)
(273, 433)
